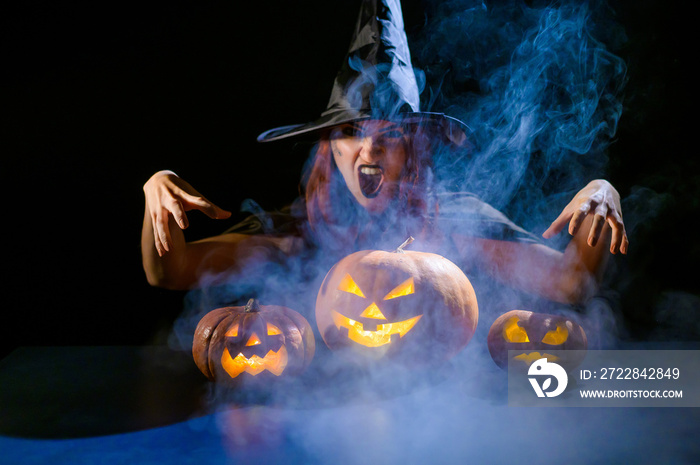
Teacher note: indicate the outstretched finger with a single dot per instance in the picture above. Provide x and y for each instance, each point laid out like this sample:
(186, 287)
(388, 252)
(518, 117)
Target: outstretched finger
(205, 206)
(578, 217)
(619, 235)
(218, 213)
(558, 224)
(156, 240)
(178, 212)
(596, 229)
(625, 244)
(162, 232)
(601, 213)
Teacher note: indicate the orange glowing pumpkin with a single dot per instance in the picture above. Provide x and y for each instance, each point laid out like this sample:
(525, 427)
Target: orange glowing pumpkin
(536, 335)
(407, 305)
(255, 340)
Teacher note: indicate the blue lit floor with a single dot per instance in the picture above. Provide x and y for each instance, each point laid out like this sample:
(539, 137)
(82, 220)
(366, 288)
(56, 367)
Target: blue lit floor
(471, 433)
(462, 418)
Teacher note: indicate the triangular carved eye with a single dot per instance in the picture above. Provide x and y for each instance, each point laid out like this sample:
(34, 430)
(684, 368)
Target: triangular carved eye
(512, 332)
(405, 288)
(556, 336)
(349, 285)
(273, 330)
(233, 331)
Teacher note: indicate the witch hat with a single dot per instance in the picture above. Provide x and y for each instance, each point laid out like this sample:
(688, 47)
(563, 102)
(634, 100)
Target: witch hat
(376, 80)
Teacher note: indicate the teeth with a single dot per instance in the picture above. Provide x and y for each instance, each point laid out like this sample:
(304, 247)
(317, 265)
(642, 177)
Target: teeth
(370, 170)
(370, 178)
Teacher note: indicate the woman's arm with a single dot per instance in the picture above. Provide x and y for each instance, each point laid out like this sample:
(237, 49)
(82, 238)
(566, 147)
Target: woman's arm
(170, 261)
(594, 217)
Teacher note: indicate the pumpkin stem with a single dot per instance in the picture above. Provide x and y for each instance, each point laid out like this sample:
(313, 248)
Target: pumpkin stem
(252, 306)
(405, 243)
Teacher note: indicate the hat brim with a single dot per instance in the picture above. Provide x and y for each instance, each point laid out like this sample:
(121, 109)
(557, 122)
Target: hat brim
(455, 130)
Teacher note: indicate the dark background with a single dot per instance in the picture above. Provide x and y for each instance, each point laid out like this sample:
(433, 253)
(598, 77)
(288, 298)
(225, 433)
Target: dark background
(97, 96)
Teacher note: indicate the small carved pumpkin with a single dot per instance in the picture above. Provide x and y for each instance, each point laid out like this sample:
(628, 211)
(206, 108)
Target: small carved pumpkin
(414, 306)
(253, 340)
(537, 334)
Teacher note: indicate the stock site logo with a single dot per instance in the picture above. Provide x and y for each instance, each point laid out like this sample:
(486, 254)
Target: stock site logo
(544, 370)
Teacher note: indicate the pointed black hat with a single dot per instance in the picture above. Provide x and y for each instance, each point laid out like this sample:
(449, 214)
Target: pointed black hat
(376, 80)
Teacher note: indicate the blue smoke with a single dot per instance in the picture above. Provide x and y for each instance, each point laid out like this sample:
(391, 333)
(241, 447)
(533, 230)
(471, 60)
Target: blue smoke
(541, 89)
(538, 86)
(541, 92)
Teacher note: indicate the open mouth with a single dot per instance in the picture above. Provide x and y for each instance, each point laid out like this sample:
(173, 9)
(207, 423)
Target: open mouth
(371, 178)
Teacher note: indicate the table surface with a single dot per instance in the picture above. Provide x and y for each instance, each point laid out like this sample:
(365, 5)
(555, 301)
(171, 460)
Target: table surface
(151, 405)
(60, 392)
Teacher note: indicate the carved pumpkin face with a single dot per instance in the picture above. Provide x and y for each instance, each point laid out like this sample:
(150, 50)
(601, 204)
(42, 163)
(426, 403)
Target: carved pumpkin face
(252, 340)
(257, 346)
(370, 327)
(409, 305)
(537, 335)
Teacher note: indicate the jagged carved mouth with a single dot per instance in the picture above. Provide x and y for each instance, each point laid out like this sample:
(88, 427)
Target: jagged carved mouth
(380, 337)
(371, 178)
(274, 362)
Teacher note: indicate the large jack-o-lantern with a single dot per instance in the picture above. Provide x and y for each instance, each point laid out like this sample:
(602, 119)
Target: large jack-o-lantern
(413, 306)
(536, 335)
(255, 340)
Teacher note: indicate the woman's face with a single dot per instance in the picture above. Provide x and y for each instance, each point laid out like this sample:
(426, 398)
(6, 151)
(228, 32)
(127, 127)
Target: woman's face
(371, 156)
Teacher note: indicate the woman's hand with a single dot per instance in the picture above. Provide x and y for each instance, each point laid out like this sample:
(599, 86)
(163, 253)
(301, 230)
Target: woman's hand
(168, 196)
(598, 198)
